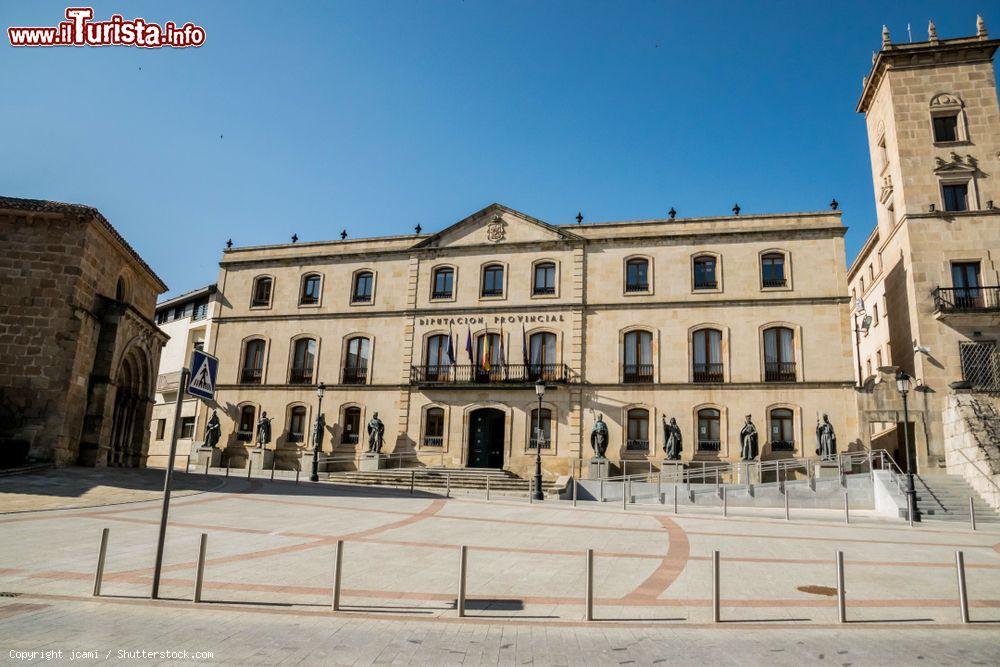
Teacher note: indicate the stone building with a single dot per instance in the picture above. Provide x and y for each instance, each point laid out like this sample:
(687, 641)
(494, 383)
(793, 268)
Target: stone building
(704, 320)
(187, 319)
(927, 275)
(78, 346)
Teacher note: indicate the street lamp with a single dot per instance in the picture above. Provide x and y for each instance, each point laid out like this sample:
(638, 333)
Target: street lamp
(318, 433)
(539, 436)
(866, 322)
(903, 384)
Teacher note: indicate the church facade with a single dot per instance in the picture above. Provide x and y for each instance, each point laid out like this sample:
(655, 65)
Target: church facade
(701, 320)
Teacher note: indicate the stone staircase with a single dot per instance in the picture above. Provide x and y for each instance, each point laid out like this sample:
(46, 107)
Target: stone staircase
(946, 497)
(467, 479)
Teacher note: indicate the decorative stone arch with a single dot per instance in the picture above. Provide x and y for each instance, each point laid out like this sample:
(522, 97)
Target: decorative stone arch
(345, 342)
(243, 353)
(724, 349)
(128, 435)
(234, 446)
(724, 439)
(123, 287)
(787, 255)
(454, 281)
(796, 346)
(798, 433)
(529, 426)
(654, 349)
(425, 339)
(291, 355)
(718, 272)
(253, 291)
(650, 274)
(508, 426)
(558, 275)
(322, 283)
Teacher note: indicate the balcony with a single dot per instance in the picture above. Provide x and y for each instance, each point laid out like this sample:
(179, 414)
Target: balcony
(301, 376)
(637, 373)
(783, 446)
(492, 291)
(467, 374)
(709, 445)
(542, 291)
(443, 294)
(779, 371)
(355, 375)
(636, 287)
(706, 284)
(707, 373)
(361, 298)
(433, 441)
(637, 445)
(774, 282)
(966, 300)
(251, 375)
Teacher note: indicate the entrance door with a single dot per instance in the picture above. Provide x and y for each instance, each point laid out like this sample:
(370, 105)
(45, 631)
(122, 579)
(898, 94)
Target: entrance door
(486, 431)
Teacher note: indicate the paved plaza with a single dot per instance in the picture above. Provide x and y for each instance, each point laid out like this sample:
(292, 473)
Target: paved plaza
(269, 574)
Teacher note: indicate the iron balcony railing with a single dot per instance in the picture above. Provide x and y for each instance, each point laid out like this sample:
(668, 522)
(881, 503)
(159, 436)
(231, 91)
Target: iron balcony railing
(433, 440)
(779, 371)
(637, 445)
(708, 372)
(441, 294)
(361, 298)
(783, 446)
(533, 443)
(355, 375)
(706, 284)
(251, 375)
(637, 287)
(301, 376)
(635, 373)
(774, 282)
(539, 289)
(349, 438)
(492, 291)
(966, 299)
(709, 445)
(474, 374)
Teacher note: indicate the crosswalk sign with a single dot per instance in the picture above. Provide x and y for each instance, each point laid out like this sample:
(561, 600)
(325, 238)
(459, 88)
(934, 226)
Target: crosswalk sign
(204, 369)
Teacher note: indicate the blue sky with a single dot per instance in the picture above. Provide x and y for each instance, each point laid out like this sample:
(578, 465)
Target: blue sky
(376, 116)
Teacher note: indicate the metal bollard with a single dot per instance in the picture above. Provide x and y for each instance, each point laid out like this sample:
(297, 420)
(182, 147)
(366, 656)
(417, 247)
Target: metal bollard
(447, 483)
(590, 585)
(199, 577)
(337, 571)
(487, 487)
(725, 503)
(963, 596)
(249, 467)
(625, 493)
(909, 514)
(297, 476)
(841, 593)
(787, 515)
(207, 460)
(273, 461)
(972, 513)
(187, 464)
(847, 509)
(602, 489)
(413, 479)
(228, 465)
(461, 581)
(576, 483)
(675, 497)
(99, 575)
(715, 587)
(716, 479)
(531, 490)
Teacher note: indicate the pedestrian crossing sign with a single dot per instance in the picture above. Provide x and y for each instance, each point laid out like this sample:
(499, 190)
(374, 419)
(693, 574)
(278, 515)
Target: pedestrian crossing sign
(204, 368)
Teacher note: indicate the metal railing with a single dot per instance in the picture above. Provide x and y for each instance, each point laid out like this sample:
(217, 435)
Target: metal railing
(637, 373)
(636, 287)
(442, 294)
(980, 365)
(349, 438)
(775, 282)
(355, 375)
(637, 444)
(500, 374)
(361, 298)
(543, 289)
(251, 375)
(966, 299)
(709, 445)
(779, 371)
(301, 376)
(782, 445)
(707, 372)
(984, 475)
(433, 440)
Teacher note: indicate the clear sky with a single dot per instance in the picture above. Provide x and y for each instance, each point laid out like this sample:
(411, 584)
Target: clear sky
(310, 117)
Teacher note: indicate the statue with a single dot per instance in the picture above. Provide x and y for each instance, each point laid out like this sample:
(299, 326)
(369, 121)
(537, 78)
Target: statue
(599, 437)
(826, 439)
(213, 430)
(318, 434)
(263, 430)
(748, 441)
(376, 432)
(672, 439)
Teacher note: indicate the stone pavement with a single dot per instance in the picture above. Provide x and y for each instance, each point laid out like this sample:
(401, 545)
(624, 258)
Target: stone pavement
(270, 559)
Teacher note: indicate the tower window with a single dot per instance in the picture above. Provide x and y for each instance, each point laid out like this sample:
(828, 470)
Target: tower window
(956, 196)
(946, 128)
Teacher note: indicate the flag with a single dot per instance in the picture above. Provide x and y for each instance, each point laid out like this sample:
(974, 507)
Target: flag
(468, 347)
(503, 353)
(524, 346)
(487, 351)
(451, 346)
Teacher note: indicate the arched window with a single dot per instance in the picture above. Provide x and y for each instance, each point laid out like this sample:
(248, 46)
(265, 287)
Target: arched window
(492, 280)
(261, 292)
(253, 362)
(705, 272)
(707, 355)
(438, 360)
(772, 270)
(303, 361)
(245, 426)
(637, 435)
(709, 431)
(545, 278)
(297, 424)
(779, 355)
(356, 361)
(637, 275)
(352, 426)
(444, 283)
(542, 346)
(434, 428)
(638, 361)
(309, 294)
(120, 289)
(363, 283)
(489, 358)
(782, 436)
(542, 420)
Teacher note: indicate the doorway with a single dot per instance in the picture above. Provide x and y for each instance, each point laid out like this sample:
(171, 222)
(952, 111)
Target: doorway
(486, 438)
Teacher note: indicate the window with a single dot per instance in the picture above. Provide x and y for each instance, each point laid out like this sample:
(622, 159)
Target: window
(444, 283)
(303, 361)
(253, 362)
(638, 365)
(356, 361)
(437, 361)
(956, 196)
(637, 430)
(707, 355)
(542, 357)
(980, 365)
(772, 270)
(967, 292)
(310, 290)
(871, 273)
(245, 426)
(545, 425)
(492, 281)
(200, 311)
(187, 428)
(945, 128)
(363, 282)
(434, 428)
(705, 273)
(352, 426)
(782, 439)
(545, 278)
(120, 290)
(868, 367)
(489, 357)
(878, 359)
(779, 355)
(883, 153)
(637, 275)
(297, 424)
(261, 292)
(161, 425)
(709, 433)
(862, 284)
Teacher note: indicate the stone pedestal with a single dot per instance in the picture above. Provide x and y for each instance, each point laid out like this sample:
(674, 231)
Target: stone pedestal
(371, 461)
(671, 469)
(213, 455)
(826, 469)
(749, 473)
(306, 461)
(261, 459)
(598, 468)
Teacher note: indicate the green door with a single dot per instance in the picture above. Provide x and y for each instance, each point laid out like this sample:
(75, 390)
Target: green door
(486, 430)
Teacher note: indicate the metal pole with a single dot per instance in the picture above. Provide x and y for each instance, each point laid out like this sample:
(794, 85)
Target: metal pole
(716, 479)
(787, 516)
(602, 489)
(725, 503)
(847, 509)
(841, 593)
(963, 596)
(99, 575)
(715, 587)
(167, 478)
(337, 570)
(590, 585)
(461, 581)
(659, 488)
(274, 458)
(200, 575)
(911, 492)
(972, 513)
(207, 460)
(250, 464)
(297, 476)
(531, 490)
(187, 464)
(539, 495)
(413, 479)
(228, 465)
(625, 493)
(576, 483)
(447, 482)
(487, 487)
(675, 497)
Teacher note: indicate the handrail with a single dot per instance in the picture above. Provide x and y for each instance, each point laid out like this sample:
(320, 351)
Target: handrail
(974, 465)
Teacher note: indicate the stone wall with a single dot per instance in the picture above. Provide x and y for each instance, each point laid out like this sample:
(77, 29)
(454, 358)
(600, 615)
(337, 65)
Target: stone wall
(972, 441)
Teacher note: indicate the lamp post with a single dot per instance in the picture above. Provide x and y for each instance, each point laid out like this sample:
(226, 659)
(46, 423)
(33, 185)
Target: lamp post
(539, 436)
(318, 434)
(903, 384)
(866, 322)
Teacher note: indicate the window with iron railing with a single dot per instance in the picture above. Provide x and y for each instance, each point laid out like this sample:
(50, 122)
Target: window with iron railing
(352, 426)
(779, 355)
(637, 275)
(261, 292)
(545, 279)
(444, 283)
(637, 373)
(434, 427)
(705, 273)
(356, 362)
(297, 424)
(779, 371)
(492, 281)
(772, 270)
(246, 423)
(363, 283)
(253, 362)
(637, 430)
(707, 373)
(303, 360)
(637, 444)
(355, 375)
(709, 430)
(545, 423)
